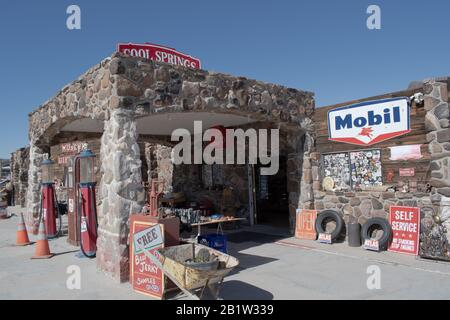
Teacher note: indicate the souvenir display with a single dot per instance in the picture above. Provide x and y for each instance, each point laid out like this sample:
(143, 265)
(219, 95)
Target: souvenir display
(366, 168)
(337, 166)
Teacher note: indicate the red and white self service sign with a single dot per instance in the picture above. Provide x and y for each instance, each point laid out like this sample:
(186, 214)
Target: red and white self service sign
(405, 223)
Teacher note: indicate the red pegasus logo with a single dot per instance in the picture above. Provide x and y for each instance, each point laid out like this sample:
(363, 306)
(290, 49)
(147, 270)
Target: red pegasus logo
(366, 132)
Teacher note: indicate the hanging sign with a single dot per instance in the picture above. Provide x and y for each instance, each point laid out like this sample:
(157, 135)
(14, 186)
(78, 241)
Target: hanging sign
(405, 223)
(406, 172)
(159, 54)
(146, 277)
(408, 152)
(305, 224)
(369, 123)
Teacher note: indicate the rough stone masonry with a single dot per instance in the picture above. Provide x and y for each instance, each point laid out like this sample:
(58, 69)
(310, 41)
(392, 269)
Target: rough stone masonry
(122, 89)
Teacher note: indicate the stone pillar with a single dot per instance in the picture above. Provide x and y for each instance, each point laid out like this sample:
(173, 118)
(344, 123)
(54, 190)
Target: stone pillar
(298, 175)
(437, 123)
(33, 190)
(306, 200)
(120, 193)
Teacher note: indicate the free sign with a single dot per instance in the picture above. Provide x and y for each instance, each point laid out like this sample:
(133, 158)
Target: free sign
(371, 122)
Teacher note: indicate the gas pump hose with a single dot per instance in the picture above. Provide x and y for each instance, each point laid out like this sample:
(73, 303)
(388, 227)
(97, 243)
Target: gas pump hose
(94, 210)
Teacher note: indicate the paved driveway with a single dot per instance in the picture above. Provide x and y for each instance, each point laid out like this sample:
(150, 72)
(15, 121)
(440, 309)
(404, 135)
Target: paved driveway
(274, 268)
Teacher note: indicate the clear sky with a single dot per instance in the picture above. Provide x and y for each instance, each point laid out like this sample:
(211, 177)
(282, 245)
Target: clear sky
(322, 46)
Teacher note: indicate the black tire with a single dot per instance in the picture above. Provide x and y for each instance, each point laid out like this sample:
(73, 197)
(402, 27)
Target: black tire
(378, 223)
(329, 215)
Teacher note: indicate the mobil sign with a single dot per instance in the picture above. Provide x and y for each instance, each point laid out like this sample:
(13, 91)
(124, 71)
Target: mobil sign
(369, 122)
(159, 54)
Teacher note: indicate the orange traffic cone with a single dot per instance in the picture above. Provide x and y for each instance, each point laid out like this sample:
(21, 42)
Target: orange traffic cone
(42, 248)
(22, 234)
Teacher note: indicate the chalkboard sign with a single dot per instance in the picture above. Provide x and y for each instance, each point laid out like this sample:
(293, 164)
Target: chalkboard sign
(146, 277)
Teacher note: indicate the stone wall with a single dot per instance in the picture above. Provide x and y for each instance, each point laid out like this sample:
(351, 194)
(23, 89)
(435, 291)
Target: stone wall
(358, 206)
(122, 89)
(20, 161)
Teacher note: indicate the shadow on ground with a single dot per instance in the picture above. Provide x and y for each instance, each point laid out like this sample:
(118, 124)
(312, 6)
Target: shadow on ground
(238, 290)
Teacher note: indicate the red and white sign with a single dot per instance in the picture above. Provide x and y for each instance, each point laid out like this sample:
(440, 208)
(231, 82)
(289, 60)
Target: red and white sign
(407, 172)
(159, 54)
(146, 277)
(369, 123)
(305, 224)
(405, 223)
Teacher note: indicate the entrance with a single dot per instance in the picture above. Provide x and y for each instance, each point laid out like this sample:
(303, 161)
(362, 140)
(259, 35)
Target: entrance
(272, 197)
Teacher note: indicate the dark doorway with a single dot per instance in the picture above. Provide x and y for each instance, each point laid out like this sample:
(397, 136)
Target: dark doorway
(272, 197)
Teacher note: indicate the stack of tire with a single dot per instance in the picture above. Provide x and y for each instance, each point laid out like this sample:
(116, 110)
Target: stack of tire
(367, 229)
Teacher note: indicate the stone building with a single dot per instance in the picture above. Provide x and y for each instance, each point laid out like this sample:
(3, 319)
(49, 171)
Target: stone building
(126, 108)
(427, 185)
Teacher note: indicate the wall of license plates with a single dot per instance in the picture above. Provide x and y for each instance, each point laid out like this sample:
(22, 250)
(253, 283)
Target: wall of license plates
(354, 169)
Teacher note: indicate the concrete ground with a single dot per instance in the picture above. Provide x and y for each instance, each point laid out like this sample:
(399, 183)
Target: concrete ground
(284, 268)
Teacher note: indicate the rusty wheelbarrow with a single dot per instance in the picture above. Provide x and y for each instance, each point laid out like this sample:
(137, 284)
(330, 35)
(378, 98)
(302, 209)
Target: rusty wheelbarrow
(197, 278)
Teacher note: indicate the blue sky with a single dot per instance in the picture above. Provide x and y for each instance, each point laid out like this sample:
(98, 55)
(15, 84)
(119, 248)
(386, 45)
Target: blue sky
(320, 46)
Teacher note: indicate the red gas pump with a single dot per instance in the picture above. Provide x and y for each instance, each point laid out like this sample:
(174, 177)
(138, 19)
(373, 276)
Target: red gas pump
(155, 193)
(49, 203)
(86, 203)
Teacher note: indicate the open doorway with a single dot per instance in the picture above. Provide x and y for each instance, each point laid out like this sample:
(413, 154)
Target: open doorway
(272, 197)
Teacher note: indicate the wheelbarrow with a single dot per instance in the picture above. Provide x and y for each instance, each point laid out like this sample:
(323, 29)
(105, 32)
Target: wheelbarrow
(193, 280)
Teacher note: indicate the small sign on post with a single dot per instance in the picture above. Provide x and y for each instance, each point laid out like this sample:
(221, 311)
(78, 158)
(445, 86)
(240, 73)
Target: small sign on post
(305, 224)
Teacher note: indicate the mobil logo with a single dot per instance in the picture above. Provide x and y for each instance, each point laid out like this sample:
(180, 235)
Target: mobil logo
(370, 122)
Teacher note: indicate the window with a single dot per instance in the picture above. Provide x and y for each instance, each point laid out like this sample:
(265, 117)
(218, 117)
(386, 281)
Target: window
(355, 169)
(366, 168)
(336, 166)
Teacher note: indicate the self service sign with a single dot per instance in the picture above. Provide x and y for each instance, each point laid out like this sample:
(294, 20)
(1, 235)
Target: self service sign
(405, 223)
(370, 122)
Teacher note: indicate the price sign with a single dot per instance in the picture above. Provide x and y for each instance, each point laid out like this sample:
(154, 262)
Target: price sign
(146, 277)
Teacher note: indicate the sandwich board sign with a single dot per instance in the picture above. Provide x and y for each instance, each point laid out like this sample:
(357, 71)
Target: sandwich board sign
(146, 277)
(370, 122)
(305, 224)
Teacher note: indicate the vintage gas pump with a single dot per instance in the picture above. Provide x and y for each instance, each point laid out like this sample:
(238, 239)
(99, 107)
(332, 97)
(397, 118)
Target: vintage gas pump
(86, 203)
(49, 204)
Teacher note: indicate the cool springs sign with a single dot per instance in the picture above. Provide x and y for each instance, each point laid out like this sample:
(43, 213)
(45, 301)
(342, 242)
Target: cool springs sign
(369, 122)
(159, 53)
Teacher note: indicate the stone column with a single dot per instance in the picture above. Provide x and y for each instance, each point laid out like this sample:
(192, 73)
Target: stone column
(298, 176)
(120, 193)
(33, 190)
(437, 123)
